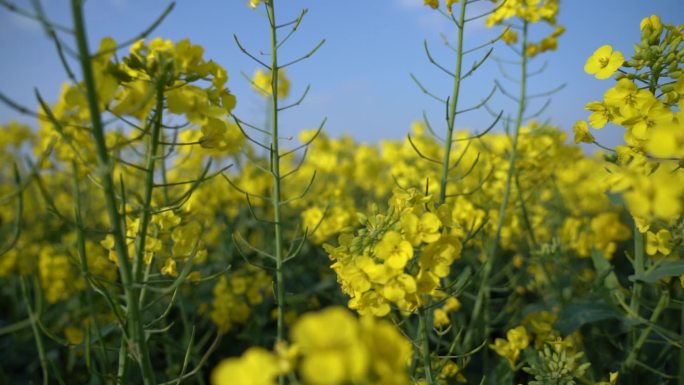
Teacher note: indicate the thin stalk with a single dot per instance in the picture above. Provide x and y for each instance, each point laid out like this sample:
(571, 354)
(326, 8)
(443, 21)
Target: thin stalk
(638, 270)
(453, 103)
(424, 330)
(634, 303)
(662, 304)
(85, 271)
(188, 337)
(143, 290)
(275, 171)
(150, 162)
(122, 371)
(36, 332)
(483, 294)
(138, 344)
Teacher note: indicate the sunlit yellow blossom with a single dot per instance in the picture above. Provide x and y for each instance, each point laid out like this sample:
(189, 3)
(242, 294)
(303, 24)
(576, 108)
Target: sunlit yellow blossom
(166, 220)
(329, 342)
(370, 303)
(601, 114)
(337, 348)
(441, 315)
(516, 340)
(450, 3)
(531, 50)
(262, 83)
(657, 196)
(650, 115)
(627, 98)
(421, 229)
(451, 370)
(186, 238)
(169, 268)
(509, 36)
(666, 140)
(660, 242)
(438, 257)
(394, 249)
(256, 366)
(434, 4)
(604, 62)
(582, 134)
(613, 377)
(440, 318)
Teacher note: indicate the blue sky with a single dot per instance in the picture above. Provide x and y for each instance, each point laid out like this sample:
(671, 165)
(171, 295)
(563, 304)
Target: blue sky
(360, 78)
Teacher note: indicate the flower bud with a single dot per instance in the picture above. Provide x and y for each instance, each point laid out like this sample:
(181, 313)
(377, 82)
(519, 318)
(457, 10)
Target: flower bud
(652, 23)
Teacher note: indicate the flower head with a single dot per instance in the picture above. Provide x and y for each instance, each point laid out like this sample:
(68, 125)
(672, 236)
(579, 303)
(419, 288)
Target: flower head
(582, 134)
(604, 62)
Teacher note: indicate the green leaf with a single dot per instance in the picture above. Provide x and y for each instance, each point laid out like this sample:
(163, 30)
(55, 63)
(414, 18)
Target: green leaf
(606, 273)
(664, 270)
(578, 314)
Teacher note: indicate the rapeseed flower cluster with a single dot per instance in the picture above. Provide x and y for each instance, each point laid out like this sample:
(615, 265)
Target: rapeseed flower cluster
(373, 264)
(236, 295)
(647, 101)
(330, 347)
(527, 11)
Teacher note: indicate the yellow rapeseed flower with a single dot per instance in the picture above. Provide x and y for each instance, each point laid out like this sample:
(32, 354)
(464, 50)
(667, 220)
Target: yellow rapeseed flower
(434, 4)
(604, 62)
(261, 83)
(582, 134)
(601, 114)
(257, 366)
(509, 36)
(660, 242)
(394, 249)
(449, 4)
(330, 346)
(666, 140)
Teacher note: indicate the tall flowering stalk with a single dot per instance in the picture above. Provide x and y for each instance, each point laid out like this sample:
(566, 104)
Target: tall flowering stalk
(451, 103)
(506, 11)
(646, 101)
(275, 87)
(136, 333)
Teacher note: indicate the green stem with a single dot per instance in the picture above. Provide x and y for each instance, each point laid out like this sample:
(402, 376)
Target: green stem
(525, 215)
(424, 326)
(33, 318)
(453, 103)
(85, 271)
(122, 371)
(483, 293)
(638, 264)
(634, 303)
(138, 344)
(143, 290)
(662, 305)
(275, 171)
(424, 329)
(164, 174)
(150, 162)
